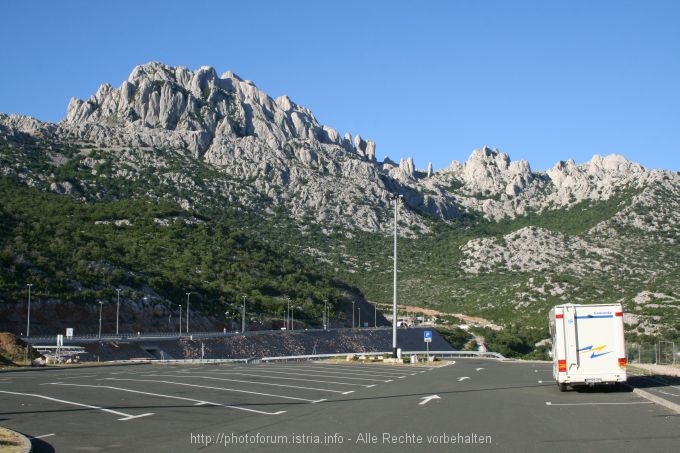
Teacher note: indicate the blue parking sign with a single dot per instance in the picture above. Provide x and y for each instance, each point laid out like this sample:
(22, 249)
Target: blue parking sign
(427, 336)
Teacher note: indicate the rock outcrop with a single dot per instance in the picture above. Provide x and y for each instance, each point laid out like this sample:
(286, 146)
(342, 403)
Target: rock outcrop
(275, 150)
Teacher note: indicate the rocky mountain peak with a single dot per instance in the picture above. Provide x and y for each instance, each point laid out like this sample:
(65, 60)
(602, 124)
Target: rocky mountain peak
(597, 178)
(491, 171)
(200, 108)
(289, 159)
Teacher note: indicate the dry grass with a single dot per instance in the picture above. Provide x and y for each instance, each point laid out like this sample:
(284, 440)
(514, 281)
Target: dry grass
(10, 442)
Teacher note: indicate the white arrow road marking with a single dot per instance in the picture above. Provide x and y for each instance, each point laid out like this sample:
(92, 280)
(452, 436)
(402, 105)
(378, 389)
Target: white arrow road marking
(427, 399)
(479, 369)
(111, 411)
(461, 379)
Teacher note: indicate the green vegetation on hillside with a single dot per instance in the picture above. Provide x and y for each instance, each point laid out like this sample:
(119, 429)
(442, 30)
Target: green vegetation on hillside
(165, 223)
(74, 251)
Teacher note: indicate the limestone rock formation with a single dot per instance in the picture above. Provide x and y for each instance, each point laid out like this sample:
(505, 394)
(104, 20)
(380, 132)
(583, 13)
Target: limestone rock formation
(275, 150)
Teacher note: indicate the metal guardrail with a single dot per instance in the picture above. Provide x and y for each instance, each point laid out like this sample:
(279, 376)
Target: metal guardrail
(209, 361)
(256, 360)
(52, 348)
(404, 354)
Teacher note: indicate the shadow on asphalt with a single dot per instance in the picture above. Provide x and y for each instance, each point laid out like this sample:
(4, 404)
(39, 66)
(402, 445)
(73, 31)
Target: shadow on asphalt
(652, 381)
(622, 388)
(40, 446)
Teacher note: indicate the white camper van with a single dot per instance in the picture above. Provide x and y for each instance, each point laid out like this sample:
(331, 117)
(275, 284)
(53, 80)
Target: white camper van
(587, 344)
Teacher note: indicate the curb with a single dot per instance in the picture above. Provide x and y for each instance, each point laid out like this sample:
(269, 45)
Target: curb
(657, 399)
(27, 447)
(75, 366)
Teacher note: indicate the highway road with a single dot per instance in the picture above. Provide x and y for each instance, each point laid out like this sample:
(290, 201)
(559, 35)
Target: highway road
(467, 405)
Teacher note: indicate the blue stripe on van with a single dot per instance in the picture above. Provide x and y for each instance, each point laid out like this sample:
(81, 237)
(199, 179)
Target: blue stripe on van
(594, 316)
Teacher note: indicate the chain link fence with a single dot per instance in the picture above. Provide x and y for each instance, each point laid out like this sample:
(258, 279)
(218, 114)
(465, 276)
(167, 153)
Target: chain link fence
(659, 353)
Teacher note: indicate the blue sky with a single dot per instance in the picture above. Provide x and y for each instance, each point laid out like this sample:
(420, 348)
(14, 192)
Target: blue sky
(540, 80)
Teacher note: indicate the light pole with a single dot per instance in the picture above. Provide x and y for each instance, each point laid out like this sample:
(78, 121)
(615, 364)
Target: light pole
(394, 287)
(359, 308)
(117, 310)
(375, 314)
(28, 318)
(288, 314)
(101, 306)
(188, 294)
(292, 318)
(243, 316)
(180, 320)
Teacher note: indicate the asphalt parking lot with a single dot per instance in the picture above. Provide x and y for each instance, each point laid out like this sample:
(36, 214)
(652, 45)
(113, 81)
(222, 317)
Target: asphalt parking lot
(467, 405)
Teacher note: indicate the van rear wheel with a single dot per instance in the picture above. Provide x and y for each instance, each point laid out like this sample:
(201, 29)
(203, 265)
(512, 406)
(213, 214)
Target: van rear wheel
(562, 386)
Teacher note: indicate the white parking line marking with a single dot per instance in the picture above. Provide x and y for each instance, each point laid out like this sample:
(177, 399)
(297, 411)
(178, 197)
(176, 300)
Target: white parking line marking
(280, 377)
(43, 436)
(548, 403)
(246, 382)
(342, 373)
(358, 365)
(324, 376)
(198, 402)
(125, 416)
(360, 369)
(78, 377)
(214, 388)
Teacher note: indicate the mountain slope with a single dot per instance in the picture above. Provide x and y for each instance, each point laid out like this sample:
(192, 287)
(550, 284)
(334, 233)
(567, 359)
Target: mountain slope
(188, 157)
